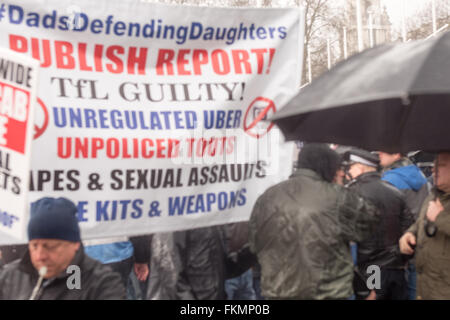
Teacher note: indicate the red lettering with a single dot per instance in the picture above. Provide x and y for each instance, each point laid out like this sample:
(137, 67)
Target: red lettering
(63, 53)
(135, 58)
(81, 147)
(125, 154)
(181, 62)
(61, 153)
(97, 144)
(112, 148)
(117, 67)
(220, 57)
(18, 43)
(98, 53)
(147, 154)
(200, 57)
(165, 57)
(46, 60)
(174, 148)
(260, 58)
(160, 148)
(241, 57)
(82, 53)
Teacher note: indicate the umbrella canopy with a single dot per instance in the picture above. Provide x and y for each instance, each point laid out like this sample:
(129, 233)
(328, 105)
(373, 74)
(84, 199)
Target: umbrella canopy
(394, 98)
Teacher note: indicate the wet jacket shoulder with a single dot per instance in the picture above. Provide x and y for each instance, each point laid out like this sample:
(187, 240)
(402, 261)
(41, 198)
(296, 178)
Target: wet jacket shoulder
(97, 281)
(303, 226)
(395, 218)
(408, 178)
(433, 253)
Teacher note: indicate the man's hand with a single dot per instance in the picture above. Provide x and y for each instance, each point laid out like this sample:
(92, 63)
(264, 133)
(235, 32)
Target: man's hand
(434, 208)
(372, 295)
(405, 243)
(141, 271)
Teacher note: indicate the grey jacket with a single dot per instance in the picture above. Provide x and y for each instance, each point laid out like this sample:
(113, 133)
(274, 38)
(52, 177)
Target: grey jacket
(300, 231)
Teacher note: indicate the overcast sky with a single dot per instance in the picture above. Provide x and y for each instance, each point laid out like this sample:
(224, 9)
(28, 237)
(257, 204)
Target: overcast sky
(394, 8)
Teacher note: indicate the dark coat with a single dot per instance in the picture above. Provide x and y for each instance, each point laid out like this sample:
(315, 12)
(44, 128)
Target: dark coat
(300, 231)
(193, 264)
(187, 265)
(381, 249)
(98, 282)
(433, 253)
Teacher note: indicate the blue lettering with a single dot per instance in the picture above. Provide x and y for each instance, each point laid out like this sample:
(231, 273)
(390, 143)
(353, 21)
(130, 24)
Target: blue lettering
(137, 206)
(102, 213)
(190, 205)
(77, 26)
(208, 121)
(242, 198)
(178, 120)
(223, 199)
(103, 119)
(32, 20)
(16, 19)
(96, 26)
(210, 200)
(193, 35)
(89, 114)
(155, 122)
(116, 123)
(200, 205)
(81, 211)
(191, 120)
(60, 123)
(142, 121)
(175, 206)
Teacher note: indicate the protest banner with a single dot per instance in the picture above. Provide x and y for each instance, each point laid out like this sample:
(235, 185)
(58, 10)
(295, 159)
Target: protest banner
(18, 80)
(151, 117)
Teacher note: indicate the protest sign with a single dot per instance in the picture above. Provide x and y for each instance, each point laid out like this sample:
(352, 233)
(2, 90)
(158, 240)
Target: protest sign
(18, 80)
(151, 117)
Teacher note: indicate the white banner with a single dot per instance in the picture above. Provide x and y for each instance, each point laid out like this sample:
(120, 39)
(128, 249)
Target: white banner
(151, 117)
(18, 80)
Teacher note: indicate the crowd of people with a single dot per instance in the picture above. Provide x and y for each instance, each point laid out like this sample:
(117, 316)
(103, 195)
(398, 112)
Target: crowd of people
(348, 224)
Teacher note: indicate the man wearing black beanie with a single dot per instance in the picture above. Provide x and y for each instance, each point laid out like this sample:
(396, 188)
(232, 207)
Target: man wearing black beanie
(55, 266)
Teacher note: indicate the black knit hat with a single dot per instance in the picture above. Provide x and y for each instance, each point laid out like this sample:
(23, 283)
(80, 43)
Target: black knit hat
(52, 218)
(319, 158)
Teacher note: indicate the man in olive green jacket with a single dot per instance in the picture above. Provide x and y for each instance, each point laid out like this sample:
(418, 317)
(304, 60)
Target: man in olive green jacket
(429, 237)
(300, 231)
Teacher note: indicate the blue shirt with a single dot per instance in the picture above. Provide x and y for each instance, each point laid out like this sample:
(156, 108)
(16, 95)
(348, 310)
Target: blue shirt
(111, 252)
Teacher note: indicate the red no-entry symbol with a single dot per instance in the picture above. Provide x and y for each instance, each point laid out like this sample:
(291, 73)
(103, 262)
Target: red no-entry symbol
(258, 111)
(41, 115)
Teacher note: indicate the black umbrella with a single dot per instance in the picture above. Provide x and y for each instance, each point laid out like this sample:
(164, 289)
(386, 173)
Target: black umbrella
(394, 97)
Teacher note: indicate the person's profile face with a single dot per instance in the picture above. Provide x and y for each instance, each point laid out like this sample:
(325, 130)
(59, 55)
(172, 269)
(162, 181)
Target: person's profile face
(54, 254)
(441, 172)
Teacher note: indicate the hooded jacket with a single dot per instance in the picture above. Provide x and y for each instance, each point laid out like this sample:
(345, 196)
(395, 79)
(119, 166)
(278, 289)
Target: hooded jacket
(408, 178)
(98, 282)
(300, 230)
